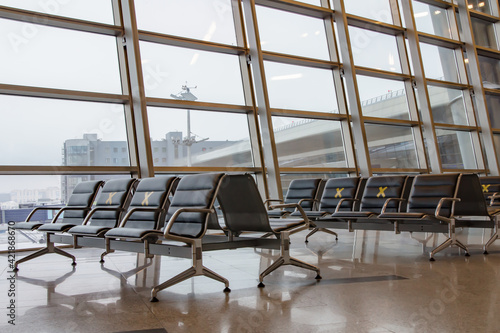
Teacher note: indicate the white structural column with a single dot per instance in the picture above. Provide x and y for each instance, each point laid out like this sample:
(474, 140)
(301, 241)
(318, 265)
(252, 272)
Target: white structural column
(138, 108)
(262, 98)
(358, 126)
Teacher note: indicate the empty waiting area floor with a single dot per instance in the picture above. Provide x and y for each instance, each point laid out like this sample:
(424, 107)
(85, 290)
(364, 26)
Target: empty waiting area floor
(372, 282)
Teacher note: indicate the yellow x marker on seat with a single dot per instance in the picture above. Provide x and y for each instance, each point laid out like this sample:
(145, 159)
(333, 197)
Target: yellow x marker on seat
(110, 198)
(381, 192)
(339, 192)
(485, 187)
(146, 197)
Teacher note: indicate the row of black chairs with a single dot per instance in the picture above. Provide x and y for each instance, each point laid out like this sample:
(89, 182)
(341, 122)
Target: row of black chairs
(425, 203)
(146, 215)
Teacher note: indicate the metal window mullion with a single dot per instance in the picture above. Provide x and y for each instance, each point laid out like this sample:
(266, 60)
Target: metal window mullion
(434, 158)
(479, 95)
(262, 98)
(137, 119)
(358, 128)
(345, 124)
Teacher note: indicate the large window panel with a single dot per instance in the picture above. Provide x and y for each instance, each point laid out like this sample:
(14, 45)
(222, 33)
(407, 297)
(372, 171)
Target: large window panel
(493, 103)
(483, 6)
(211, 77)
(374, 50)
(57, 132)
(490, 72)
(90, 10)
(431, 19)
(289, 33)
(391, 146)
(208, 20)
(484, 33)
(58, 58)
(211, 143)
(308, 143)
(378, 10)
(439, 63)
(300, 88)
(447, 105)
(455, 148)
(382, 98)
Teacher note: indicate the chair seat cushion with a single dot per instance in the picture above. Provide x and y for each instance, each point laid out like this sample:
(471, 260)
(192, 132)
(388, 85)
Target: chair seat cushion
(285, 224)
(56, 227)
(310, 213)
(402, 216)
(277, 212)
(131, 233)
(90, 230)
(347, 215)
(27, 225)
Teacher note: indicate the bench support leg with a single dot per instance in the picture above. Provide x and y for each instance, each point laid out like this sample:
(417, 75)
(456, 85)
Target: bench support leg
(493, 238)
(49, 248)
(196, 270)
(316, 229)
(452, 240)
(285, 259)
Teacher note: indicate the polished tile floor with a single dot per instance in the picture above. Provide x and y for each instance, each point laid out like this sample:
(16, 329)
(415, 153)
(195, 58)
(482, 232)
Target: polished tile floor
(372, 282)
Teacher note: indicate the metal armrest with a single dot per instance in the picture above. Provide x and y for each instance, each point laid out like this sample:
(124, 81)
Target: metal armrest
(337, 209)
(41, 208)
(68, 208)
(137, 209)
(386, 203)
(440, 204)
(297, 207)
(267, 201)
(89, 215)
(493, 197)
(174, 217)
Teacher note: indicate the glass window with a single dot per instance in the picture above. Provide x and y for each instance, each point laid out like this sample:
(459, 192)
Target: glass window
(484, 33)
(483, 6)
(42, 56)
(211, 142)
(378, 10)
(374, 50)
(439, 63)
(431, 19)
(40, 128)
(300, 88)
(493, 102)
(208, 20)
(174, 72)
(382, 98)
(455, 148)
(391, 146)
(89, 10)
(447, 105)
(308, 142)
(289, 33)
(490, 72)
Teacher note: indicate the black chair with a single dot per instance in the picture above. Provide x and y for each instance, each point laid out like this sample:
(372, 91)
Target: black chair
(304, 192)
(244, 211)
(431, 202)
(335, 190)
(75, 211)
(490, 186)
(146, 214)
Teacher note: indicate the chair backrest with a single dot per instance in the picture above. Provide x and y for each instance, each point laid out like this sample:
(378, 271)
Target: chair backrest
(241, 204)
(472, 201)
(336, 189)
(152, 193)
(116, 193)
(303, 189)
(427, 191)
(193, 191)
(378, 189)
(83, 195)
(490, 185)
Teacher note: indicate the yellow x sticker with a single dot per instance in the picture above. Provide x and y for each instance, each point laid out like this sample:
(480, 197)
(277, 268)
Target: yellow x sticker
(485, 187)
(339, 192)
(381, 192)
(146, 197)
(110, 198)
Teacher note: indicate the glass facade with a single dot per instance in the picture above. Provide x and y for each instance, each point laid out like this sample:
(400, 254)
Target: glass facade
(278, 89)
